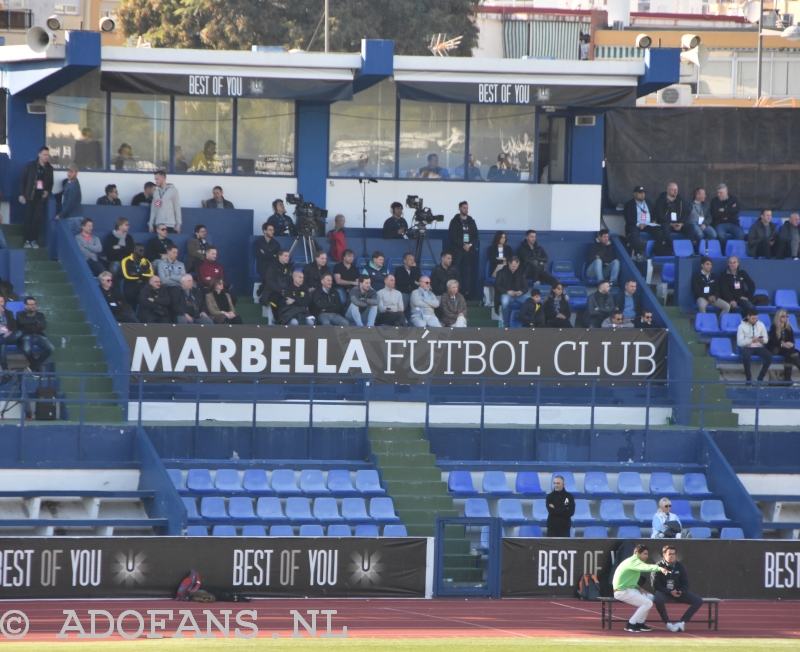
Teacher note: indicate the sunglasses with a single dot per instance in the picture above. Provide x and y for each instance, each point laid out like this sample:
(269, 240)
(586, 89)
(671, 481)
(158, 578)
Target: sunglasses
(667, 505)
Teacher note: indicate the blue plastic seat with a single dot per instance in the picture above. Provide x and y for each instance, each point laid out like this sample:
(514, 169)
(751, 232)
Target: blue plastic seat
(595, 483)
(722, 349)
(311, 530)
(326, 510)
(494, 483)
(487, 275)
(683, 248)
(630, 484)
(787, 299)
(197, 531)
(224, 531)
(269, 509)
(191, 509)
(700, 532)
(281, 531)
(657, 260)
(731, 533)
(255, 482)
(510, 511)
(527, 484)
(694, 484)
(199, 481)
(312, 483)
(736, 248)
(729, 323)
(340, 483)
(577, 296)
(177, 479)
(529, 531)
(668, 273)
(396, 530)
(583, 515)
(382, 510)
(765, 319)
(241, 509)
(483, 546)
(612, 511)
(513, 320)
(713, 511)
(683, 510)
(284, 483)
(339, 530)
(706, 324)
(227, 481)
(586, 279)
(366, 530)
(298, 510)
(746, 221)
(212, 508)
(644, 509)
(476, 508)
(254, 531)
(661, 483)
(595, 532)
(629, 532)
(368, 483)
(714, 250)
(564, 271)
(460, 483)
(569, 481)
(793, 322)
(354, 510)
(540, 511)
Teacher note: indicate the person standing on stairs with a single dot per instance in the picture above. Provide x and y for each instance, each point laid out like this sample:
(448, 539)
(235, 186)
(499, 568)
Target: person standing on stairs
(71, 200)
(32, 324)
(35, 187)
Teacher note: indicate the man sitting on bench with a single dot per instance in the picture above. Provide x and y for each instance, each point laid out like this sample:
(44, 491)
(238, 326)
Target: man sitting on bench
(673, 586)
(626, 587)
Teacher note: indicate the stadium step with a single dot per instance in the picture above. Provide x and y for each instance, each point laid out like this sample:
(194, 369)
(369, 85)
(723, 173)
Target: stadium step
(250, 311)
(401, 446)
(409, 474)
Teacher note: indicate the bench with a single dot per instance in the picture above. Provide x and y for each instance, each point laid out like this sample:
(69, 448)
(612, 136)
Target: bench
(607, 606)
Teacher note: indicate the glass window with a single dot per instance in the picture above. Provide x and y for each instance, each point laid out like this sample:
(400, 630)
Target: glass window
(203, 135)
(746, 77)
(265, 137)
(501, 143)
(715, 78)
(432, 138)
(362, 137)
(139, 132)
(76, 124)
(793, 79)
(779, 79)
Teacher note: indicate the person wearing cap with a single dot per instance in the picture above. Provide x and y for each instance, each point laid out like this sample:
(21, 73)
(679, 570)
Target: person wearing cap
(71, 200)
(638, 219)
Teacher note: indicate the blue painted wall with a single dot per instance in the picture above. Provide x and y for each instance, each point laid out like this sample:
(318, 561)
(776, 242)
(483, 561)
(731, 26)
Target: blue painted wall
(312, 151)
(587, 143)
(64, 444)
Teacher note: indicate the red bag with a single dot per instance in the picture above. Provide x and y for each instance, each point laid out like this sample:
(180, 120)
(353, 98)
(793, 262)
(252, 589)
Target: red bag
(189, 585)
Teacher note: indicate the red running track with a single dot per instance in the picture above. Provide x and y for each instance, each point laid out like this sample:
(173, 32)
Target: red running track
(517, 618)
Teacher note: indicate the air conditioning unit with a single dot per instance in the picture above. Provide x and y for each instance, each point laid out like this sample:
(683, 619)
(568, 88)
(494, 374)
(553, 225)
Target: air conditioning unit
(37, 107)
(675, 95)
(585, 120)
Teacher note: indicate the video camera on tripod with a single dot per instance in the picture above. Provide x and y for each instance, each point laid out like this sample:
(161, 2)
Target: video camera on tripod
(307, 216)
(422, 216)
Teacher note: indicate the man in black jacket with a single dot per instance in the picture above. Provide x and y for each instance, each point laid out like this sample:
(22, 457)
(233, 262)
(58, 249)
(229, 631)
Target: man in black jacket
(706, 288)
(116, 301)
(463, 236)
(510, 287)
(280, 220)
(159, 246)
(217, 200)
(35, 187)
(737, 286)
(761, 238)
(154, 303)
(315, 270)
(187, 305)
(533, 257)
(326, 304)
(396, 226)
(725, 216)
(599, 305)
(639, 218)
(601, 261)
(32, 325)
(445, 271)
(672, 212)
(532, 314)
(296, 308)
(673, 586)
(118, 245)
(266, 249)
(560, 509)
(406, 278)
(275, 281)
(111, 198)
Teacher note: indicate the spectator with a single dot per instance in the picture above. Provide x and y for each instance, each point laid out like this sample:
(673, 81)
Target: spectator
(179, 164)
(663, 516)
(444, 272)
(220, 307)
(509, 288)
(639, 218)
(124, 159)
(196, 248)
(166, 205)
(557, 310)
(737, 286)
(391, 310)
(137, 271)
(345, 275)
(90, 246)
(532, 314)
(789, 238)
(707, 289)
(118, 245)
(751, 336)
(599, 305)
(170, 270)
(361, 167)
(188, 305)
(628, 303)
(217, 201)
(274, 282)
(326, 306)
(145, 198)
(314, 271)
(88, 153)
(154, 303)
(453, 307)
(376, 270)
(8, 335)
(602, 263)
(32, 325)
(761, 238)
(111, 198)
(35, 186)
(473, 171)
(280, 220)
(158, 246)
(337, 238)
(645, 320)
(265, 250)
(463, 236)
(210, 269)
(117, 304)
(700, 219)
(502, 170)
(423, 304)
(206, 161)
(396, 226)
(499, 253)
(781, 342)
(725, 216)
(296, 303)
(433, 168)
(363, 303)
(672, 213)
(70, 202)
(407, 278)
(616, 321)
(533, 257)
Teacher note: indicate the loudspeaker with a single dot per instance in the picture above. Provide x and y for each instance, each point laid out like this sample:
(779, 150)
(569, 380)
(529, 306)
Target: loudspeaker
(39, 39)
(698, 56)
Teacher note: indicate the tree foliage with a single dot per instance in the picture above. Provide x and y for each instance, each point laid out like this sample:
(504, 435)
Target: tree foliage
(239, 24)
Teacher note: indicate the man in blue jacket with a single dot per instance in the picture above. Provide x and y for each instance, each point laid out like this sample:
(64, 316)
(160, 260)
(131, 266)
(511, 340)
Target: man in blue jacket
(71, 200)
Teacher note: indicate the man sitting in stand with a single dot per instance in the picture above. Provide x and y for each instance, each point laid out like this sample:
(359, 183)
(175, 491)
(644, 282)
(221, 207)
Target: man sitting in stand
(32, 325)
(600, 305)
(315, 270)
(751, 336)
(395, 226)
(90, 246)
(533, 257)
(145, 198)
(158, 246)
(154, 303)
(116, 301)
(510, 287)
(282, 223)
(136, 270)
(445, 271)
(217, 200)
(211, 269)
(266, 249)
(326, 304)
(345, 276)
(363, 303)
(188, 306)
(118, 245)
(171, 270)
(390, 304)
(406, 278)
(196, 249)
(376, 270)
(296, 303)
(111, 198)
(276, 279)
(423, 304)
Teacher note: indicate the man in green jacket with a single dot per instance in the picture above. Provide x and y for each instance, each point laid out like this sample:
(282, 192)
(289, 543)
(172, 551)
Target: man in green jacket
(626, 587)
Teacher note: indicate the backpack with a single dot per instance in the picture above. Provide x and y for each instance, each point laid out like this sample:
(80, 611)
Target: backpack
(588, 587)
(663, 247)
(188, 586)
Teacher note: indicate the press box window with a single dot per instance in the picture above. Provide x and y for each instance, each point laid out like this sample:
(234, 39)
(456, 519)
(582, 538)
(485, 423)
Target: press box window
(502, 143)
(139, 132)
(265, 137)
(432, 135)
(203, 135)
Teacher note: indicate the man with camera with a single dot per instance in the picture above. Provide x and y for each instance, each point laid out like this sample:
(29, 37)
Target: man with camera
(283, 224)
(463, 235)
(396, 226)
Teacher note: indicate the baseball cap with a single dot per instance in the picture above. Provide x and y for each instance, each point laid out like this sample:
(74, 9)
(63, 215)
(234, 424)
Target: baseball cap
(72, 167)
(638, 189)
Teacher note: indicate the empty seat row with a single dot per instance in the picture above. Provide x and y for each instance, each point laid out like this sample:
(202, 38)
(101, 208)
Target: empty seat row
(595, 483)
(311, 530)
(298, 510)
(632, 532)
(284, 482)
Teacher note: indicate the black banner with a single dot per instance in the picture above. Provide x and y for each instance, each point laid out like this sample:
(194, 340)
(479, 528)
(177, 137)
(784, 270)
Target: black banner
(88, 567)
(727, 569)
(227, 86)
(516, 94)
(399, 355)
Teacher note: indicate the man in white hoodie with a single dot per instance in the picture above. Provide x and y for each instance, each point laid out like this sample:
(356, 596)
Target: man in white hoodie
(751, 336)
(166, 206)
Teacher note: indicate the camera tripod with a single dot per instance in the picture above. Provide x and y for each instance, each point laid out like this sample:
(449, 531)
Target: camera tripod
(310, 247)
(11, 400)
(419, 232)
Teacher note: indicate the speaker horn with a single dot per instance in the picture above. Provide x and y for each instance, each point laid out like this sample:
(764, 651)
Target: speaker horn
(643, 41)
(39, 39)
(698, 56)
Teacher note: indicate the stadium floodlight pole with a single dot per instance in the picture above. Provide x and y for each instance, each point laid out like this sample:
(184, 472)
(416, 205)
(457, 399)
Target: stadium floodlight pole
(328, 26)
(760, 53)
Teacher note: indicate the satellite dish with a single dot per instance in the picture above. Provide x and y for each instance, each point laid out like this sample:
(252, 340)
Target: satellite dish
(752, 12)
(791, 33)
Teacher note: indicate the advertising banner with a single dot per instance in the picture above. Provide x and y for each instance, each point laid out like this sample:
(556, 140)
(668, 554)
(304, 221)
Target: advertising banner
(399, 355)
(62, 567)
